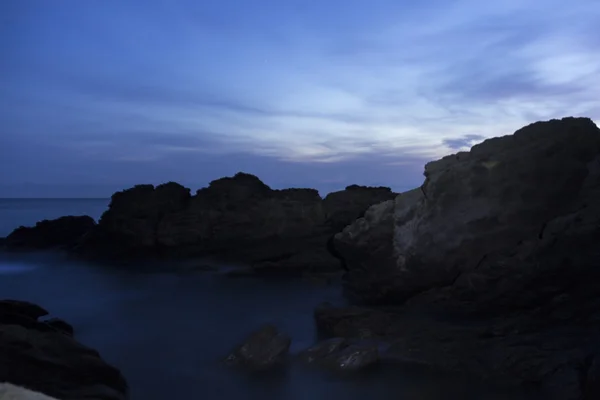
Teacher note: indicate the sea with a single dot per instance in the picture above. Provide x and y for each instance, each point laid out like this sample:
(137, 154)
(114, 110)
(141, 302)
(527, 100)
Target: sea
(168, 332)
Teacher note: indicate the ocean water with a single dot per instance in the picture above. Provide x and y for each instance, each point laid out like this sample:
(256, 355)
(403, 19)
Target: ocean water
(167, 332)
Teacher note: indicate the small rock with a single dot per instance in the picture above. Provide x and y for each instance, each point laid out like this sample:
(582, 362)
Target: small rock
(263, 349)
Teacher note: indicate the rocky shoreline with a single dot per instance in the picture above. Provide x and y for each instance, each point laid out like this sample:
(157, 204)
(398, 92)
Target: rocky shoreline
(234, 219)
(491, 268)
(43, 356)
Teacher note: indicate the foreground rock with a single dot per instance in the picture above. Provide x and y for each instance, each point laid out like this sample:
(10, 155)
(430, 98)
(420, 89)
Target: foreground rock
(61, 233)
(342, 355)
(8, 391)
(263, 349)
(500, 247)
(44, 357)
(238, 219)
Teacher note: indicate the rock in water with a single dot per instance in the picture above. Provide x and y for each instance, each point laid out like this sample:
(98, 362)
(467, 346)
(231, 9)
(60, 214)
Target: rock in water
(263, 349)
(237, 218)
(42, 357)
(341, 355)
(323, 349)
(506, 236)
(60, 233)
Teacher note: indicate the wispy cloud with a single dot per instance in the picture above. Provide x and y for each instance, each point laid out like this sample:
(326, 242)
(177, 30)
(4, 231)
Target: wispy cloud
(330, 84)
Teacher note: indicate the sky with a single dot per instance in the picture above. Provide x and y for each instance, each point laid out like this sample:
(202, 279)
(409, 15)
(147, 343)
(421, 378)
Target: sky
(99, 95)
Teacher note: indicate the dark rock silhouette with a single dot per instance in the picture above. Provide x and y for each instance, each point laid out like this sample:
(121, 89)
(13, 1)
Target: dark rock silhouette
(501, 248)
(237, 218)
(64, 232)
(265, 348)
(43, 357)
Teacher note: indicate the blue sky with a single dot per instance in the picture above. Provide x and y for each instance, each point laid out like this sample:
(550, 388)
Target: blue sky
(102, 94)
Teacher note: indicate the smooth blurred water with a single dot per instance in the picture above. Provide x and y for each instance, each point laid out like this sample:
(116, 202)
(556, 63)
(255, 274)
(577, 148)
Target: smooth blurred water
(167, 332)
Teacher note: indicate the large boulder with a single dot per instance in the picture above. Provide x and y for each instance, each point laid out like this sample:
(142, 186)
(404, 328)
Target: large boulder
(43, 356)
(60, 233)
(499, 252)
(503, 192)
(236, 218)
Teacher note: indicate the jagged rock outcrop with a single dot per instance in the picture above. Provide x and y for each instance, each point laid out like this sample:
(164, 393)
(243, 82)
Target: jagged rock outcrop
(501, 248)
(348, 205)
(503, 192)
(43, 356)
(64, 233)
(238, 218)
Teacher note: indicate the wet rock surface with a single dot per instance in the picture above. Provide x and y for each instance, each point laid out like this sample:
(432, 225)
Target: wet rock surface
(492, 266)
(342, 354)
(44, 357)
(265, 348)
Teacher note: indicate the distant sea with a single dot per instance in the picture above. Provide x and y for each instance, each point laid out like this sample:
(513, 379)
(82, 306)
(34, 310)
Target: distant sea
(167, 332)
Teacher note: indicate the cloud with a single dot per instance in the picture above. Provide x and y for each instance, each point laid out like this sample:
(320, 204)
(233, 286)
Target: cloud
(322, 91)
(463, 142)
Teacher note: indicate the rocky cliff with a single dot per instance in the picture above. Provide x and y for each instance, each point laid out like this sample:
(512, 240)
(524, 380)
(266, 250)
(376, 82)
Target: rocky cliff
(505, 236)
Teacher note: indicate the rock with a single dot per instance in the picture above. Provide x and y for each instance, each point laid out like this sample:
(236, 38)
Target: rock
(353, 358)
(60, 325)
(351, 322)
(8, 391)
(237, 219)
(323, 349)
(498, 250)
(263, 349)
(38, 356)
(63, 233)
(22, 307)
(341, 355)
(347, 205)
(472, 204)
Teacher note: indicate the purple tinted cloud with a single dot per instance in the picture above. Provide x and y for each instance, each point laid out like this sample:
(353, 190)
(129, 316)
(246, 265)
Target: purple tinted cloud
(105, 94)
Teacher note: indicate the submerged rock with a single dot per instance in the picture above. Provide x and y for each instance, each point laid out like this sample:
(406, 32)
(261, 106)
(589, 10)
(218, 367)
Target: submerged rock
(38, 355)
(500, 248)
(60, 233)
(265, 348)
